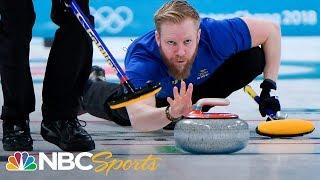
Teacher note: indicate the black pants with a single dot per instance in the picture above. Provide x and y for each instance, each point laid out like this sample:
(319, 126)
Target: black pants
(68, 66)
(232, 75)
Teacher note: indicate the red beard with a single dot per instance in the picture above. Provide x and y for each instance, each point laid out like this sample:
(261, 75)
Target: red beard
(178, 72)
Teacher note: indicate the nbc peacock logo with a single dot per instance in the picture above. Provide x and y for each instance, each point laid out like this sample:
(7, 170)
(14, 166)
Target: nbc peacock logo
(21, 162)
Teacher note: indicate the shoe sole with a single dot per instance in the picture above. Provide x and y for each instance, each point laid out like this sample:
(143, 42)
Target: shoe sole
(78, 147)
(17, 148)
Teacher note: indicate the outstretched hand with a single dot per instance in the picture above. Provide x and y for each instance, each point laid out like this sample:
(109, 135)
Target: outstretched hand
(181, 104)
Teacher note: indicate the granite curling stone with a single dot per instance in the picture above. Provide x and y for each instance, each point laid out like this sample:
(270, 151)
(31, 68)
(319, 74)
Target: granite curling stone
(211, 133)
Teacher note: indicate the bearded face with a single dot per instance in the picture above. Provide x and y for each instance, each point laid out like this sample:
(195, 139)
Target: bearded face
(178, 44)
(179, 67)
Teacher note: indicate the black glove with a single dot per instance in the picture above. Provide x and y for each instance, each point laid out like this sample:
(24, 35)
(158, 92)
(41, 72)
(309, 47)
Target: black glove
(267, 101)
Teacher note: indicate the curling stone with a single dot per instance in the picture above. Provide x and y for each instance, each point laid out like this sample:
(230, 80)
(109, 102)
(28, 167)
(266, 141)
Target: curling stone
(211, 133)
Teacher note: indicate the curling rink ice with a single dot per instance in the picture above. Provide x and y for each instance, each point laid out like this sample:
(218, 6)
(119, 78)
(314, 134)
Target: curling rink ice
(264, 158)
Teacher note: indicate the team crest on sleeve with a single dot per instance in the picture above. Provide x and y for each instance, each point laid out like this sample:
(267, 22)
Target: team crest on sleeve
(202, 74)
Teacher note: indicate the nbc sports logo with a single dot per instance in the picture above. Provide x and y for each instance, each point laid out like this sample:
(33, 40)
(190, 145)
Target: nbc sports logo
(21, 162)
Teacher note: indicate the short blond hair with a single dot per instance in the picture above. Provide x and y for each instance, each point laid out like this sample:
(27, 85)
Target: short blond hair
(175, 11)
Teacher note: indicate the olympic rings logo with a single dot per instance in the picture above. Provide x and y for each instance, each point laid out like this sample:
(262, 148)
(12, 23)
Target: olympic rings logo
(112, 21)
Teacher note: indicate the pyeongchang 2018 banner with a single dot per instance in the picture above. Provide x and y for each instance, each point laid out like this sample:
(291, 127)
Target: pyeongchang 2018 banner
(135, 17)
